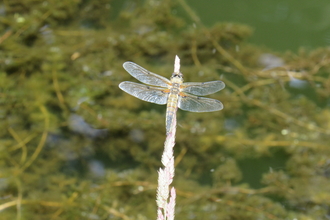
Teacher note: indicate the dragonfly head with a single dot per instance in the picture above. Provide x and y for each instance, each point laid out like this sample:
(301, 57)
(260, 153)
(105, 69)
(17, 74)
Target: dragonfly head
(177, 75)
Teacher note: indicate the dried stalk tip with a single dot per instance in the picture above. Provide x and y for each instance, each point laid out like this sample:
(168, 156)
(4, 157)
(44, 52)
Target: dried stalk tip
(177, 64)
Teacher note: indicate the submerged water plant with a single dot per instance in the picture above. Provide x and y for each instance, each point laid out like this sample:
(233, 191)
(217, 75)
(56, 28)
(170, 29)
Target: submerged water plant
(264, 156)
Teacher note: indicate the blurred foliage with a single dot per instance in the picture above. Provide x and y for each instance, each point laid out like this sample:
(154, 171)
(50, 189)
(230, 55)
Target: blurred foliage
(264, 156)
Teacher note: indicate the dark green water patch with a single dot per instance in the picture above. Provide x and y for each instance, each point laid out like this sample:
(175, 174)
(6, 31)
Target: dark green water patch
(254, 168)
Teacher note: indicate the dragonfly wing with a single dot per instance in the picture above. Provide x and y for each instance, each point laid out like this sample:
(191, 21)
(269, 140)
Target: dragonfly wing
(198, 104)
(202, 88)
(144, 92)
(145, 76)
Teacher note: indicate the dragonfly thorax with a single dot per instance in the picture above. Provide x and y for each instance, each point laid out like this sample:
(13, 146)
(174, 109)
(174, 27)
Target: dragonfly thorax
(175, 88)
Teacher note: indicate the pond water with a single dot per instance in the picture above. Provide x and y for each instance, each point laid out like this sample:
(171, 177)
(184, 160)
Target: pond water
(280, 25)
(75, 146)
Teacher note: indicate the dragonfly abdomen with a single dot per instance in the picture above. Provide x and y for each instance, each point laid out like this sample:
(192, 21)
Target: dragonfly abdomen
(172, 106)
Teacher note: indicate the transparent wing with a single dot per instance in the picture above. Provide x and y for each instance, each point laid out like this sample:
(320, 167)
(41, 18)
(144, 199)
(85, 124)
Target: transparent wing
(145, 93)
(198, 104)
(202, 88)
(144, 75)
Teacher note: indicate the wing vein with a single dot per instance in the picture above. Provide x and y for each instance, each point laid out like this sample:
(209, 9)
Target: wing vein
(144, 92)
(145, 76)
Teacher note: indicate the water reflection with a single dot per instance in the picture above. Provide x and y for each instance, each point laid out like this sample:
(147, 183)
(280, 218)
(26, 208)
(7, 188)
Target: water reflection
(78, 125)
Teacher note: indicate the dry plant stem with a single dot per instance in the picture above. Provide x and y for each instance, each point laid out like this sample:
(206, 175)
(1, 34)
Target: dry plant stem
(166, 209)
(166, 198)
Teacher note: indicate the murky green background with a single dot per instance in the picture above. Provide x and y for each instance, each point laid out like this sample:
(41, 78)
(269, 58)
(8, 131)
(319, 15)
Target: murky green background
(281, 25)
(74, 146)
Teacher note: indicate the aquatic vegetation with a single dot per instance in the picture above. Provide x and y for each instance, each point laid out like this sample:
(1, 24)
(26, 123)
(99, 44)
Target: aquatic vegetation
(264, 156)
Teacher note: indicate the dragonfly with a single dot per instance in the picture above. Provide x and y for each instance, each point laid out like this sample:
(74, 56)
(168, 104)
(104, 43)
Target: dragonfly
(174, 92)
